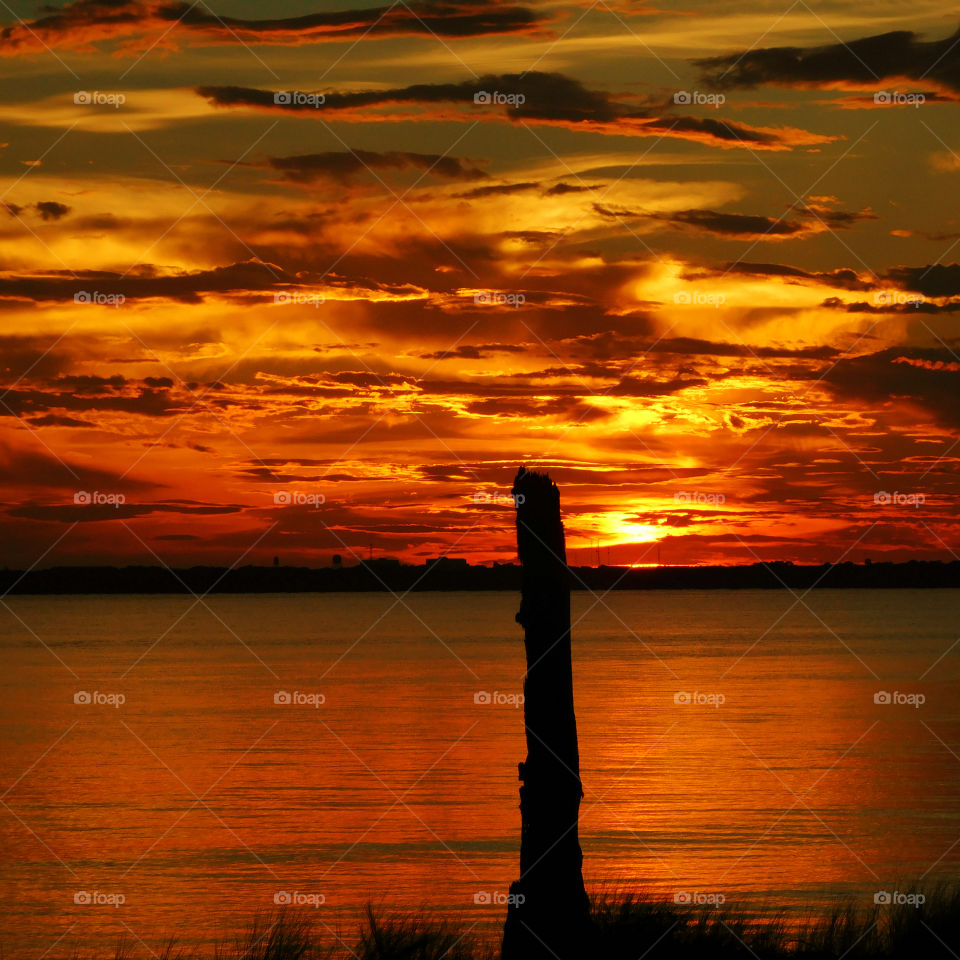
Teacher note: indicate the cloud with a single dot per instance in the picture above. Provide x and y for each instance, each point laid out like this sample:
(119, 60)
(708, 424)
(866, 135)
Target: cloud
(928, 378)
(83, 24)
(51, 210)
(344, 165)
(843, 278)
(45, 209)
(735, 224)
(97, 513)
(470, 352)
(807, 219)
(497, 190)
(532, 97)
(84, 394)
(145, 282)
(39, 469)
(935, 280)
(55, 420)
(865, 63)
(571, 409)
(42, 356)
(611, 346)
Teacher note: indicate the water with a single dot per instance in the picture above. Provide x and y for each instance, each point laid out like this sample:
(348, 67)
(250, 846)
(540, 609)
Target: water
(199, 800)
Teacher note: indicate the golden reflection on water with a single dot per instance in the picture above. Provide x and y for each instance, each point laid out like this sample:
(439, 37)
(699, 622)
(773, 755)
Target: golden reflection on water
(728, 746)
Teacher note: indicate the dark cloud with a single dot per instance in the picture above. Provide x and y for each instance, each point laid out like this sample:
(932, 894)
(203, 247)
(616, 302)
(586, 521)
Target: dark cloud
(33, 398)
(97, 513)
(572, 409)
(688, 345)
(547, 96)
(734, 224)
(51, 210)
(473, 352)
(39, 469)
(844, 278)
(935, 280)
(247, 276)
(45, 209)
(890, 305)
(35, 355)
(551, 98)
(84, 23)
(560, 189)
(346, 164)
(55, 420)
(496, 190)
(928, 378)
(612, 353)
(863, 62)
(710, 128)
(806, 220)
(445, 19)
(267, 475)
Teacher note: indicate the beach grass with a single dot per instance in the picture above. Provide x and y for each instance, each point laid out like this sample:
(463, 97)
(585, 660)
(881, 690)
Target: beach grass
(628, 926)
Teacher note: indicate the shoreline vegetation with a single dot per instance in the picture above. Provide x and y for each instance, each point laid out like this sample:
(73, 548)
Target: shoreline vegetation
(628, 926)
(450, 574)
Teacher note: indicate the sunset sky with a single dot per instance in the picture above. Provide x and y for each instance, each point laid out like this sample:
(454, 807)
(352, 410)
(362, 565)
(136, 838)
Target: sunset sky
(301, 285)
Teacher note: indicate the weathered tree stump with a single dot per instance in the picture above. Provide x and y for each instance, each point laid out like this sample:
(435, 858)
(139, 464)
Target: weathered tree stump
(548, 915)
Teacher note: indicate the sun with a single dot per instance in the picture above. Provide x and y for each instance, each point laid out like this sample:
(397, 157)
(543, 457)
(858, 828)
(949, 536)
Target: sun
(615, 528)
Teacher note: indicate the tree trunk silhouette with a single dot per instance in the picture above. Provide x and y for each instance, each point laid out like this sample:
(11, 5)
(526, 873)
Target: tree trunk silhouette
(548, 914)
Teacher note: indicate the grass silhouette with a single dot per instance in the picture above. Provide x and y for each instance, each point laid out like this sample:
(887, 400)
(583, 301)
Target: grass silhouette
(629, 926)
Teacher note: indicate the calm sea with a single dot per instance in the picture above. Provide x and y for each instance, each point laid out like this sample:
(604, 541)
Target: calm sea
(731, 744)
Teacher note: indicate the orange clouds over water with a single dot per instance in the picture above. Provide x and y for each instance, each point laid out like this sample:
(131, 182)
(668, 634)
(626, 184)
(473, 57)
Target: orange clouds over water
(725, 335)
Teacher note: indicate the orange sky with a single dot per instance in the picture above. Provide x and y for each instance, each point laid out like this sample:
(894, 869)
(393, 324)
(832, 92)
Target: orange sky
(302, 285)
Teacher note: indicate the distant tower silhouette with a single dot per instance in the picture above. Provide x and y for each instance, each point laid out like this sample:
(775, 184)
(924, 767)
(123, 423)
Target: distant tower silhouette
(276, 561)
(337, 559)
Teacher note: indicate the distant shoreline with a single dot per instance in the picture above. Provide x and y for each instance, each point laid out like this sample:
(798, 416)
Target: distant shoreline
(451, 575)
